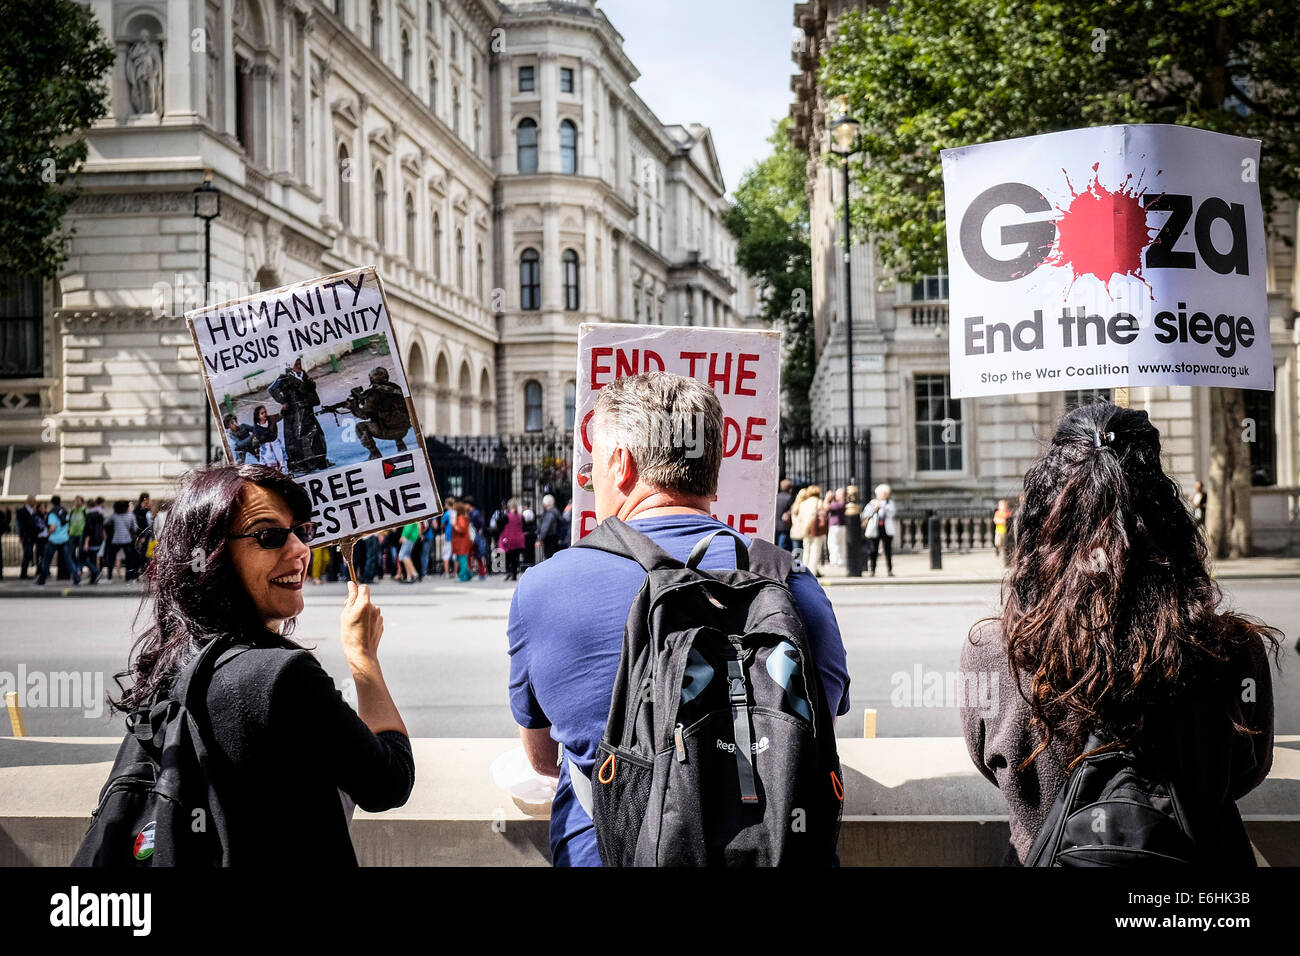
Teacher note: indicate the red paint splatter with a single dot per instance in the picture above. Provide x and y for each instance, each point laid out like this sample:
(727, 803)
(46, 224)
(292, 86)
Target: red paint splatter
(1102, 233)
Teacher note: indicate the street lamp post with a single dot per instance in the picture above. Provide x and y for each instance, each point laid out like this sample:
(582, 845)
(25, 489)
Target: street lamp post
(844, 134)
(207, 206)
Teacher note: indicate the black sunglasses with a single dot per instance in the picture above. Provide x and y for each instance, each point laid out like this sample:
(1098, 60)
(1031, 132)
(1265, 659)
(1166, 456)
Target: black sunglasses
(272, 539)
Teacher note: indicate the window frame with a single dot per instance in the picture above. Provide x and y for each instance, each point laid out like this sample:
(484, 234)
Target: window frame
(530, 280)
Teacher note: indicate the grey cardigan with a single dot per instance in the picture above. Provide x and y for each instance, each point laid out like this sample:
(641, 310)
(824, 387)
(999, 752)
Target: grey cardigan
(1220, 762)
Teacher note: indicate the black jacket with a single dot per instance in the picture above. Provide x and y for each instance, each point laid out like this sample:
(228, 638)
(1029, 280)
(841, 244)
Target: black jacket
(285, 743)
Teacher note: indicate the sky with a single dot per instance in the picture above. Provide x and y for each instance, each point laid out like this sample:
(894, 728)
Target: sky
(723, 63)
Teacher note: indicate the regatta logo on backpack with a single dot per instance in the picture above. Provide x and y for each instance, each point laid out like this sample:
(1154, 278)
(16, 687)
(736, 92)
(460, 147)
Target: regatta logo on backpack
(735, 735)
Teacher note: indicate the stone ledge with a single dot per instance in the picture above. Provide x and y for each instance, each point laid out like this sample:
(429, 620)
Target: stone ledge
(911, 801)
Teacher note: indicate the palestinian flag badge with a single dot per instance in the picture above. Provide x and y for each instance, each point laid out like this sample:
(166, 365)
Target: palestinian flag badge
(584, 477)
(401, 465)
(144, 842)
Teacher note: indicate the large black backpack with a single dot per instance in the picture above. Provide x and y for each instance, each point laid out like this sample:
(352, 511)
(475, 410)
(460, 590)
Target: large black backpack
(719, 748)
(159, 806)
(1117, 811)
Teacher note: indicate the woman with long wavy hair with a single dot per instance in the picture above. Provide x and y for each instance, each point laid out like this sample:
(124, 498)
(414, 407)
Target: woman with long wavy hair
(229, 566)
(1111, 625)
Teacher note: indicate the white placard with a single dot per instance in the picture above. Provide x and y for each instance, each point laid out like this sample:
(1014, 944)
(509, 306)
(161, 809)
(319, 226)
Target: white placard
(742, 366)
(1107, 257)
(311, 355)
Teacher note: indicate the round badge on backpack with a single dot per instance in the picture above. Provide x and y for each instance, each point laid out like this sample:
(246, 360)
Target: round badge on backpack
(144, 842)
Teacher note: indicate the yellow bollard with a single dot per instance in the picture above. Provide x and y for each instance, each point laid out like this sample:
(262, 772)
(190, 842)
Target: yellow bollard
(15, 714)
(869, 723)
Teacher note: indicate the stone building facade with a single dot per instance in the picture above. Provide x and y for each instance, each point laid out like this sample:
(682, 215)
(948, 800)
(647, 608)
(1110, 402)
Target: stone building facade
(900, 349)
(491, 159)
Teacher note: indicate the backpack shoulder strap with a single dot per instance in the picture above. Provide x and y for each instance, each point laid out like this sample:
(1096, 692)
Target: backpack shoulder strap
(617, 537)
(767, 559)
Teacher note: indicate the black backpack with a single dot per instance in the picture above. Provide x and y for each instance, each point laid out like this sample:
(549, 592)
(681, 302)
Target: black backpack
(719, 747)
(159, 806)
(1116, 811)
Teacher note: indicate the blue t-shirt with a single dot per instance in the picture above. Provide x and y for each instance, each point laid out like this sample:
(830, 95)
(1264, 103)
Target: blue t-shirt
(566, 634)
(59, 529)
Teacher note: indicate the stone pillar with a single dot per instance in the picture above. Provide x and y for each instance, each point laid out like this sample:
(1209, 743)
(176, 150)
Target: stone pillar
(589, 165)
(363, 180)
(548, 160)
(507, 158)
(587, 267)
(552, 297)
(180, 66)
(507, 265)
(625, 277)
(228, 67)
(622, 179)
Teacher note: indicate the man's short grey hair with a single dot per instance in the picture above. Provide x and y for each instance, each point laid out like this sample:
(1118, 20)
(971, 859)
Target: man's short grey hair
(670, 424)
(548, 501)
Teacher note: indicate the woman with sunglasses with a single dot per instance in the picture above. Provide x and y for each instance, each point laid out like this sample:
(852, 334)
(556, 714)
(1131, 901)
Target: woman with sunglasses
(229, 567)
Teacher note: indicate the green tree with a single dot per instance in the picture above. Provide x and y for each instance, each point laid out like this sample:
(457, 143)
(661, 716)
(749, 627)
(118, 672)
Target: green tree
(769, 218)
(926, 75)
(52, 87)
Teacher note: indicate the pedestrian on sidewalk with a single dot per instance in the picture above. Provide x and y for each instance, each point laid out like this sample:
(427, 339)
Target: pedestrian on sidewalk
(284, 743)
(1000, 518)
(29, 524)
(1200, 501)
(405, 564)
(784, 499)
(462, 541)
(512, 539)
(811, 520)
(835, 535)
(880, 526)
(1111, 637)
(58, 542)
(92, 541)
(448, 526)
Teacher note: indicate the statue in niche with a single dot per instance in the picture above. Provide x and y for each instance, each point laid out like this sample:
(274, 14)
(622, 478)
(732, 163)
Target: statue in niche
(144, 75)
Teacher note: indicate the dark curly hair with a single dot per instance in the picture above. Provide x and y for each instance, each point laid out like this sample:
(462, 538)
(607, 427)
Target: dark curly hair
(1108, 610)
(193, 592)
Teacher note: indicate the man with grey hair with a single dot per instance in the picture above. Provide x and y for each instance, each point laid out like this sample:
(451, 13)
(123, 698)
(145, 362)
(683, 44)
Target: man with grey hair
(656, 445)
(548, 528)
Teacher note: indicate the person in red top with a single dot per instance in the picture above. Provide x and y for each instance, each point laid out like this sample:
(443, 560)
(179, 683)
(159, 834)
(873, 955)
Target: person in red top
(461, 541)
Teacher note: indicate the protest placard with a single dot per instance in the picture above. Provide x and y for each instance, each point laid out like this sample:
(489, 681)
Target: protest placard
(308, 379)
(743, 367)
(1108, 257)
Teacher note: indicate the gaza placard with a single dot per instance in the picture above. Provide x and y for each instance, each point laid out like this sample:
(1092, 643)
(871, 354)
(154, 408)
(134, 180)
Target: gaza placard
(1108, 257)
(742, 366)
(308, 379)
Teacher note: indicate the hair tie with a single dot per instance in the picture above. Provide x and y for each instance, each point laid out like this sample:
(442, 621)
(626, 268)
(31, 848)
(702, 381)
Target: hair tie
(1098, 436)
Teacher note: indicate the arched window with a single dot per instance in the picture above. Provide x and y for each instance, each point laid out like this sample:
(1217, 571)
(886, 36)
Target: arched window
(376, 27)
(532, 406)
(406, 58)
(480, 283)
(345, 187)
(437, 247)
(460, 260)
(381, 197)
(530, 281)
(571, 301)
(570, 404)
(433, 86)
(568, 147)
(526, 137)
(410, 227)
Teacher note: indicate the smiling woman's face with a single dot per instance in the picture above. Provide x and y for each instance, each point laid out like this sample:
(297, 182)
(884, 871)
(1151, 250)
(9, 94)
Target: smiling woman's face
(273, 577)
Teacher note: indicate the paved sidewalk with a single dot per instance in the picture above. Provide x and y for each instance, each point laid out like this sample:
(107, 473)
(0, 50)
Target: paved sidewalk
(975, 567)
(983, 567)
(12, 587)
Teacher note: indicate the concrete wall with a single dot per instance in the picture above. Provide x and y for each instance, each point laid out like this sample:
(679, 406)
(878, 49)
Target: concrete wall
(910, 801)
